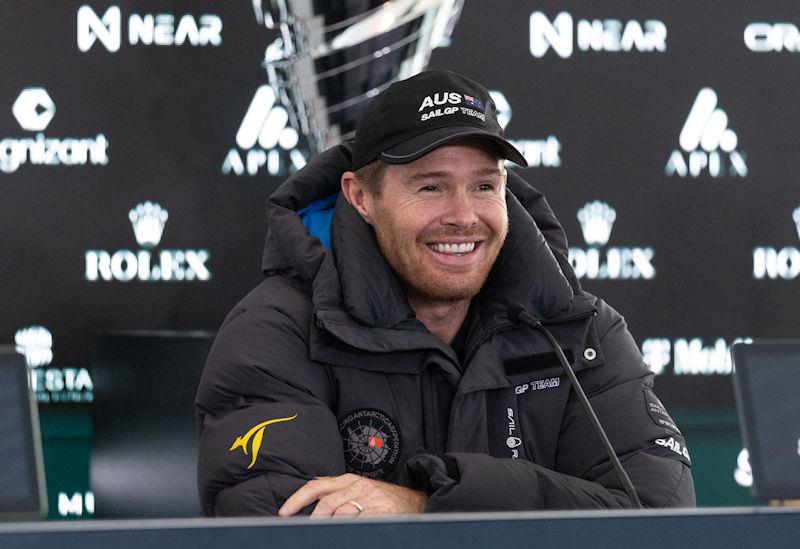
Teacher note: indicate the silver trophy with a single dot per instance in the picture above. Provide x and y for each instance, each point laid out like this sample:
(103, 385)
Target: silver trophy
(332, 56)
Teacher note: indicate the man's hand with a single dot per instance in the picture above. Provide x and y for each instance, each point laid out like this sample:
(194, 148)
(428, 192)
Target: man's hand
(351, 495)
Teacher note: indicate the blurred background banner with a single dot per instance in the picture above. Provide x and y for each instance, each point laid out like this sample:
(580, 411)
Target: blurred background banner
(140, 139)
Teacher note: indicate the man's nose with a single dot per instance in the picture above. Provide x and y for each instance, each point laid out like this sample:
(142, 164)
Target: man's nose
(460, 211)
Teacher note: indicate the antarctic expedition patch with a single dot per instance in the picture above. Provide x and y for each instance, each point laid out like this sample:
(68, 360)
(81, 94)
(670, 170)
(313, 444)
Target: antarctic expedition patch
(658, 412)
(371, 442)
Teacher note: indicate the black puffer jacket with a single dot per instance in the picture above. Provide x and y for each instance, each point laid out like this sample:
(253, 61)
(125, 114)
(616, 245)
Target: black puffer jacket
(323, 369)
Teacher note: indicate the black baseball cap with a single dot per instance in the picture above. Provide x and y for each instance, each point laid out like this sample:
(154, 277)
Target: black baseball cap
(415, 116)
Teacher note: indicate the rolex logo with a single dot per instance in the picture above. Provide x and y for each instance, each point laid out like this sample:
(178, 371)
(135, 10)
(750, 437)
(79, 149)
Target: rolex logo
(596, 219)
(612, 263)
(148, 264)
(256, 433)
(148, 220)
(770, 262)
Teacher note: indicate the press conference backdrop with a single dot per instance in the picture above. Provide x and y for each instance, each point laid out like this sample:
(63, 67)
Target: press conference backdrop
(664, 134)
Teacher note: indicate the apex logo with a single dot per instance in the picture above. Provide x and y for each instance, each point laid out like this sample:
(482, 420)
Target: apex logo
(538, 152)
(257, 434)
(709, 146)
(148, 220)
(265, 124)
(769, 262)
(51, 384)
(597, 219)
(596, 35)
(150, 29)
(689, 356)
(34, 109)
(772, 37)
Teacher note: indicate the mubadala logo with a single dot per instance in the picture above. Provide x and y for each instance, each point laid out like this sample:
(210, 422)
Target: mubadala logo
(34, 109)
(147, 265)
(596, 219)
(152, 29)
(538, 152)
(709, 145)
(49, 384)
(265, 139)
(596, 35)
(689, 356)
(771, 37)
(769, 262)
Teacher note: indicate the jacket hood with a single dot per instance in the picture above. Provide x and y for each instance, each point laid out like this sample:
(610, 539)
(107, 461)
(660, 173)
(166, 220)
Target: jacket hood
(355, 281)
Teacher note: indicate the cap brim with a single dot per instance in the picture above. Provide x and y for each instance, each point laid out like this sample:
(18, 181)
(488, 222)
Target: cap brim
(420, 145)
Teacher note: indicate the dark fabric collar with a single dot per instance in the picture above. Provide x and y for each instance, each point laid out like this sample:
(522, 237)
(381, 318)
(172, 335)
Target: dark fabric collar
(354, 289)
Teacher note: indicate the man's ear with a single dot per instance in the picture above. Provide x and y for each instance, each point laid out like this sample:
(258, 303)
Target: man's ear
(357, 195)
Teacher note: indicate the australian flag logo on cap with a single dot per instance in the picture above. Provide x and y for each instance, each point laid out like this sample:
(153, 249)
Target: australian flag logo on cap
(473, 102)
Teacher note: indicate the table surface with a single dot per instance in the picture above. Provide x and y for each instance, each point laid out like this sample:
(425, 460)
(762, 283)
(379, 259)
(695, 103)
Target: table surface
(706, 527)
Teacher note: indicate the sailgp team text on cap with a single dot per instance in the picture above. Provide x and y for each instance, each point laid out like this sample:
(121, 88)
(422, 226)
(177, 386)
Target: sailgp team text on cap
(415, 116)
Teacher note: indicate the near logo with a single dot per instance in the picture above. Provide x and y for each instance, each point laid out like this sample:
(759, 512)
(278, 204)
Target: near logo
(157, 29)
(257, 434)
(610, 35)
(596, 219)
(148, 220)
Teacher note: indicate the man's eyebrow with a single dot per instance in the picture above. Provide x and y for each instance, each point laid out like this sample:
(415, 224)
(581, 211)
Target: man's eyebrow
(424, 176)
(488, 171)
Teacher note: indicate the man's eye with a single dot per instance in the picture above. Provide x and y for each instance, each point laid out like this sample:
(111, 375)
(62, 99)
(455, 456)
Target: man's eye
(486, 187)
(429, 188)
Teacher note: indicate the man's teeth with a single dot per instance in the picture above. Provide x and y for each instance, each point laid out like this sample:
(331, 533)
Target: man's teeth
(462, 248)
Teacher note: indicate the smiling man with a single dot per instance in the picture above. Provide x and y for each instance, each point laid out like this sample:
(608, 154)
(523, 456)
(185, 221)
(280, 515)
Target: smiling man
(375, 369)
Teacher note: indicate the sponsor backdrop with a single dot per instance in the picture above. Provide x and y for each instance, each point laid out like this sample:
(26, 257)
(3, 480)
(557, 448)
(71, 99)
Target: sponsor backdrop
(139, 140)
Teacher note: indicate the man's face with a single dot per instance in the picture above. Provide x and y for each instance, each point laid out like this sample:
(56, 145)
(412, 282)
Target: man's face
(441, 220)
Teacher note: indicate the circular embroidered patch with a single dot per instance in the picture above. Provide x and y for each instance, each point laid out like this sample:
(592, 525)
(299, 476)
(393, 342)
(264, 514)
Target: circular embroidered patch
(371, 443)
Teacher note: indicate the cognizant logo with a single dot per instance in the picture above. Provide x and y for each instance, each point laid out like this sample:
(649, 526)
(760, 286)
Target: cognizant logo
(537, 152)
(609, 35)
(708, 145)
(772, 263)
(148, 220)
(265, 140)
(597, 219)
(34, 109)
(157, 29)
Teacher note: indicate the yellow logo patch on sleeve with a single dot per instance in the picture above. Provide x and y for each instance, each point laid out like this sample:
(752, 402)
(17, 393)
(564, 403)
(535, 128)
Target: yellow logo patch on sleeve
(256, 433)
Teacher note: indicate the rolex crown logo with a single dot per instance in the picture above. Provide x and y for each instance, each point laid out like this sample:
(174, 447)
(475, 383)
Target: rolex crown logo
(597, 219)
(148, 220)
(256, 433)
(796, 217)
